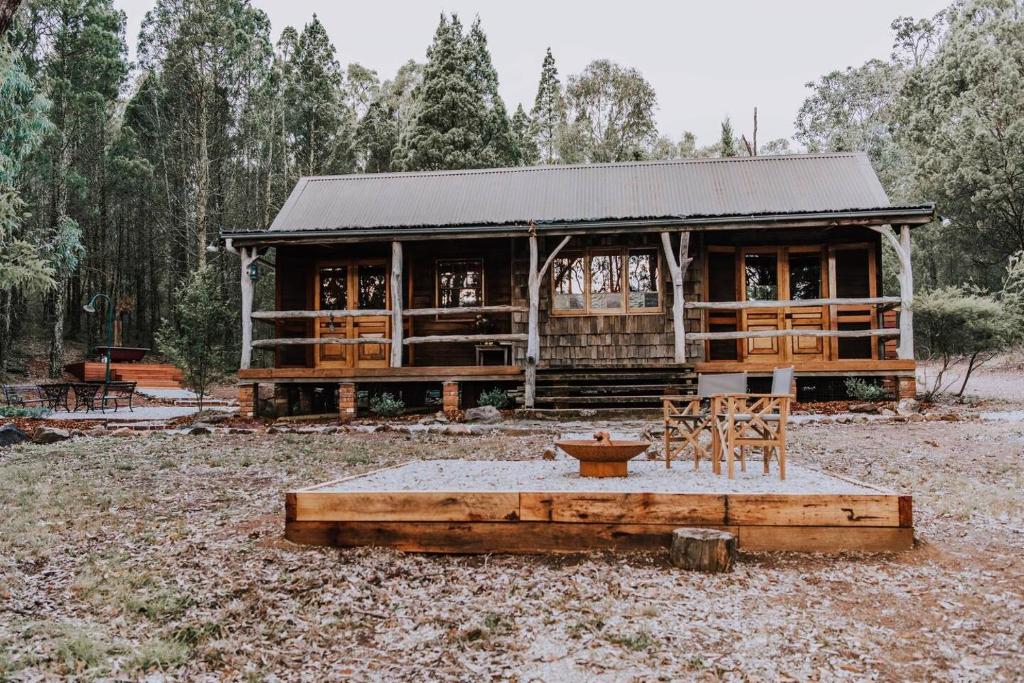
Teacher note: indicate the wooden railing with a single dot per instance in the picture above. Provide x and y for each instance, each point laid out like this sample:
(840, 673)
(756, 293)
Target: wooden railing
(409, 312)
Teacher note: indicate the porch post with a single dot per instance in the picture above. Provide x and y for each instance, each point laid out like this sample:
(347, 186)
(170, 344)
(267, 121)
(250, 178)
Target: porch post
(901, 245)
(677, 266)
(906, 348)
(396, 304)
(536, 276)
(248, 257)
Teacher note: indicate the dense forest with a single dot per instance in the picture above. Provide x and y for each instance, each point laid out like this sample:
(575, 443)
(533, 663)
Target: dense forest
(116, 176)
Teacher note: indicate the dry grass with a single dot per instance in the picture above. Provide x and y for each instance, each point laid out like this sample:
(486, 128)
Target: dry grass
(164, 554)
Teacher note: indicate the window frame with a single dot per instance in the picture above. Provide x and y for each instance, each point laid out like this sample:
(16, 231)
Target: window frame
(586, 254)
(437, 287)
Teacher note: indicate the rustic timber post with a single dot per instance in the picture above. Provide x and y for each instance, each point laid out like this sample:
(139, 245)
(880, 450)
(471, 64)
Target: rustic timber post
(248, 258)
(677, 266)
(396, 304)
(901, 245)
(536, 276)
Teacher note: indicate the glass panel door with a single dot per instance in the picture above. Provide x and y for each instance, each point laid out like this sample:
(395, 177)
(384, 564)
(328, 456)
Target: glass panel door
(371, 282)
(804, 283)
(332, 295)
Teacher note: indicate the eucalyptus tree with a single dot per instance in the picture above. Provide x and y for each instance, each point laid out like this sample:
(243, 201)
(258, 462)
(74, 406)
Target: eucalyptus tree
(201, 50)
(610, 114)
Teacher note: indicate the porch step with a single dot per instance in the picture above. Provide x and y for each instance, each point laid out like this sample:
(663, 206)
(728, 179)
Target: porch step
(612, 387)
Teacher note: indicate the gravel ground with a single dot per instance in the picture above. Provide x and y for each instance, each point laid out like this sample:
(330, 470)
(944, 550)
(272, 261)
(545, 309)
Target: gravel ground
(162, 555)
(563, 475)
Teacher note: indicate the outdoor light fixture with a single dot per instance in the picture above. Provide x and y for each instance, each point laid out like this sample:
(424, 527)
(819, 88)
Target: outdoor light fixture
(254, 271)
(91, 308)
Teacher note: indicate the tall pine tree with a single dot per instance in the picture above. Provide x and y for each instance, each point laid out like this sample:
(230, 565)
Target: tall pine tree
(498, 146)
(547, 118)
(522, 138)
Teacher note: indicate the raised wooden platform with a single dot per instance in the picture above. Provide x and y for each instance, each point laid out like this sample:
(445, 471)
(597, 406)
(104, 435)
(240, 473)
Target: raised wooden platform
(152, 375)
(834, 368)
(846, 516)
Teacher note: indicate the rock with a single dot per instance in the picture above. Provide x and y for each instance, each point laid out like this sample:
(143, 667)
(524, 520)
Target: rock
(458, 430)
(211, 417)
(198, 429)
(951, 417)
(241, 430)
(484, 414)
(863, 408)
(121, 431)
(549, 453)
(11, 435)
(50, 435)
(907, 406)
(704, 550)
(887, 412)
(915, 417)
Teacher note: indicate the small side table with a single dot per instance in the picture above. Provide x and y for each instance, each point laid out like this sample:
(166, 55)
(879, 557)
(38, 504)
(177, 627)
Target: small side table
(493, 354)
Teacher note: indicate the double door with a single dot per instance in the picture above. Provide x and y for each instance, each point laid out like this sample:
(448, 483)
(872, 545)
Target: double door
(784, 274)
(358, 285)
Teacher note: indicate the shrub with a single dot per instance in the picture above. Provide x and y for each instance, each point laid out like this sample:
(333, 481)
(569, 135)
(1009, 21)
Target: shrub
(496, 397)
(865, 390)
(959, 327)
(386, 405)
(19, 411)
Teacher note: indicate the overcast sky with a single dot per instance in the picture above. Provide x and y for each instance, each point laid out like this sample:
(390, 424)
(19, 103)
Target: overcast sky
(706, 59)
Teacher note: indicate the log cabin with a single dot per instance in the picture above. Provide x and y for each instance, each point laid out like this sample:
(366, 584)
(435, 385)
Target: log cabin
(577, 286)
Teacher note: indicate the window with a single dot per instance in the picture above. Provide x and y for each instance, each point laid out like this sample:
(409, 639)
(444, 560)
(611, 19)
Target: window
(460, 283)
(606, 281)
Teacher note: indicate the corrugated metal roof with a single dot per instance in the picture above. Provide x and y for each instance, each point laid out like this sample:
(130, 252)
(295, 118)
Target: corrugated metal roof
(595, 192)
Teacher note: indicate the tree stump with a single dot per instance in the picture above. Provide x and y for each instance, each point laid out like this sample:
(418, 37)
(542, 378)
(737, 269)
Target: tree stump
(704, 550)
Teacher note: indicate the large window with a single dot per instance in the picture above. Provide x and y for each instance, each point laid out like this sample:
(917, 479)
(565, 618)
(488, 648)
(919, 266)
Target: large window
(606, 281)
(460, 283)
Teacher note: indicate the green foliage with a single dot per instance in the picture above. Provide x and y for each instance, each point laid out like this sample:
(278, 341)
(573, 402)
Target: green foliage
(865, 390)
(458, 120)
(386, 405)
(24, 411)
(727, 142)
(496, 397)
(522, 139)
(194, 339)
(957, 326)
(610, 113)
(547, 118)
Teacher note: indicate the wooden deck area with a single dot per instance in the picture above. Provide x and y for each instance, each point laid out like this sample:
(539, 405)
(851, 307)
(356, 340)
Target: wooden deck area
(843, 516)
(152, 375)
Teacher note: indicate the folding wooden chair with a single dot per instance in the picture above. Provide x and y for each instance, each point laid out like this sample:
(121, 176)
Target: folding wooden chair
(687, 417)
(755, 420)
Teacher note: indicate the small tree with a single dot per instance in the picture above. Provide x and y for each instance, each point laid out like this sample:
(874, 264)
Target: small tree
(194, 339)
(959, 327)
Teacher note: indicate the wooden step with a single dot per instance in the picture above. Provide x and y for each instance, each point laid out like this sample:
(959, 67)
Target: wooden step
(572, 389)
(652, 400)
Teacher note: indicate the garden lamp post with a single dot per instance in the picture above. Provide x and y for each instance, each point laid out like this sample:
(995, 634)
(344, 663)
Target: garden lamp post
(91, 308)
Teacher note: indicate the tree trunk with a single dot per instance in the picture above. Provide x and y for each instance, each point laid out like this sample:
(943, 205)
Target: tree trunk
(202, 182)
(396, 304)
(704, 550)
(59, 296)
(677, 266)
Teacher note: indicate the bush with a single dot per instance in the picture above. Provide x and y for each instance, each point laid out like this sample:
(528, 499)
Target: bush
(496, 397)
(18, 411)
(386, 405)
(959, 327)
(865, 390)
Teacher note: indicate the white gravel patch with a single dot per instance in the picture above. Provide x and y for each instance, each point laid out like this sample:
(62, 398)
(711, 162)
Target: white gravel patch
(563, 475)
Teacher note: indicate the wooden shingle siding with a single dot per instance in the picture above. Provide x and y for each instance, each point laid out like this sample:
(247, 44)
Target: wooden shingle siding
(614, 340)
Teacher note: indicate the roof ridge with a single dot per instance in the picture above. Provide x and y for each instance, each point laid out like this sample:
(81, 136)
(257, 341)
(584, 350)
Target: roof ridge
(566, 167)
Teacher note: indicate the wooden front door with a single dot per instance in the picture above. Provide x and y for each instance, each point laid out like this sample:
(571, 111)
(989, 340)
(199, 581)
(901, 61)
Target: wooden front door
(356, 285)
(783, 273)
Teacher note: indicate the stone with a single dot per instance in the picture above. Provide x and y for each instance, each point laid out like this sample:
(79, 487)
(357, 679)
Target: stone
(549, 453)
(458, 430)
(703, 550)
(198, 429)
(121, 431)
(484, 414)
(50, 435)
(887, 412)
(907, 406)
(864, 408)
(10, 435)
(241, 430)
(915, 417)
